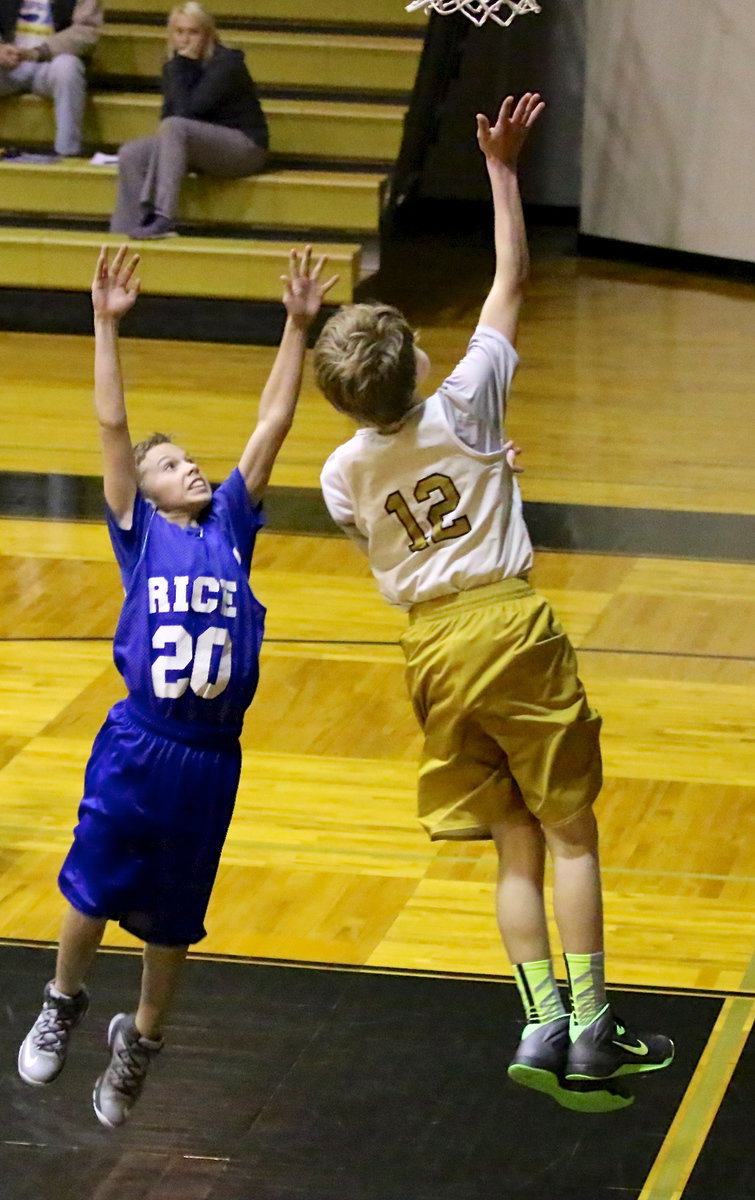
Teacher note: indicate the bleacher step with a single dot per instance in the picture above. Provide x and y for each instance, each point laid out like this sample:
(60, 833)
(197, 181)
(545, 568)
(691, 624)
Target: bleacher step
(288, 199)
(221, 268)
(387, 13)
(307, 128)
(295, 60)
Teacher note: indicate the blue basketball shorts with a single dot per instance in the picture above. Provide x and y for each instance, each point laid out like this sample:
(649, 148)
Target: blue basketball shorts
(151, 827)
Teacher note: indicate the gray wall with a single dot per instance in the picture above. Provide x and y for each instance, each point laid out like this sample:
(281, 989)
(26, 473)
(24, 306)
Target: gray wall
(650, 126)
(669, 134)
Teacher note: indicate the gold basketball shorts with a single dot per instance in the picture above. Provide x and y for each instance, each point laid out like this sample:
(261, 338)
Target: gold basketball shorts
(493, 681)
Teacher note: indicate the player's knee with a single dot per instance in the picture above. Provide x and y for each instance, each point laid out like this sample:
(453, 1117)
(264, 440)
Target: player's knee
(575, 837)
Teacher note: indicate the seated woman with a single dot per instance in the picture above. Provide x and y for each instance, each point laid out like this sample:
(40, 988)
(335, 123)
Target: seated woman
(212, 122)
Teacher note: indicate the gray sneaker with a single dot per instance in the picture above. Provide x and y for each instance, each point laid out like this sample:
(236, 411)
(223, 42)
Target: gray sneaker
(540, 1061)
(43, 1051)
(117, 1091)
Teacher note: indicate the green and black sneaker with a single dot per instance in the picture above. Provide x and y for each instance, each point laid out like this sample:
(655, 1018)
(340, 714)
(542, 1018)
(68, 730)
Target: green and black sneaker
(539, 1064)
(605, 1049)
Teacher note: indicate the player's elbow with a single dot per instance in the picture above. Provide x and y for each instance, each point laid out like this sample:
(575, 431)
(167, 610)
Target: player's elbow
(278, 425)
(112, 424)
(512, 273)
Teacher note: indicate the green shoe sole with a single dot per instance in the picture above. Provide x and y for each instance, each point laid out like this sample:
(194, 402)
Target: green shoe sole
(630, 1068)
(590, 1099)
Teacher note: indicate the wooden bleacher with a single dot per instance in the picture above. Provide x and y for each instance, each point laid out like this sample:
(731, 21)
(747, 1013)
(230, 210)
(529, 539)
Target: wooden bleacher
(383, 14)
(278, 59)
(335, 92)
(325, 132)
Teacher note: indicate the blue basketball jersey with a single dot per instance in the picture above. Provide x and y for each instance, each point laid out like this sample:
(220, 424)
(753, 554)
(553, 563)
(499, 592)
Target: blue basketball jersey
(188, 638)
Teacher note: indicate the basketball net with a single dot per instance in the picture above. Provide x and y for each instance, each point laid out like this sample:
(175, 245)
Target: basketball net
(478, 11)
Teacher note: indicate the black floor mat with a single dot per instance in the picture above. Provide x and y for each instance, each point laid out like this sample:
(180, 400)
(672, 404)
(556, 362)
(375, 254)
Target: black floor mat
(281, 1082)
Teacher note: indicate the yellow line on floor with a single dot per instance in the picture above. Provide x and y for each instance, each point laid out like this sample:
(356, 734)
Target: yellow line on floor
(748, 979)
(689, 1130)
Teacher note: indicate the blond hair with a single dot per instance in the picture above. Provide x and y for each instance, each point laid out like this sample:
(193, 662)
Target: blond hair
(365, 365)
(192, 8)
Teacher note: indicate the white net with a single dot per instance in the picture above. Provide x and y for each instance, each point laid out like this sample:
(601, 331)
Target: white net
(479, 11)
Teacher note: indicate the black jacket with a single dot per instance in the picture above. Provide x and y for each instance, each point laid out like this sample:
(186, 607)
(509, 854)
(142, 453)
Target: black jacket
(219, 90)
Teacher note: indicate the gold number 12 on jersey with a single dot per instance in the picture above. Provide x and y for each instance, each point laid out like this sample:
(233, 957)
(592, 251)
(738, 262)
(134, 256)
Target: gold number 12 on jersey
(418, 539)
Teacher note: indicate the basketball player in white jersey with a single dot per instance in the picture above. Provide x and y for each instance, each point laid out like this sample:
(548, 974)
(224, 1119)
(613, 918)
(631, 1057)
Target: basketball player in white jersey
(511, 751)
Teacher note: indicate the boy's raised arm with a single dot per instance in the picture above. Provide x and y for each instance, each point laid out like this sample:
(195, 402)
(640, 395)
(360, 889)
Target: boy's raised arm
(114, 292)
(303, 294)
(501, 144)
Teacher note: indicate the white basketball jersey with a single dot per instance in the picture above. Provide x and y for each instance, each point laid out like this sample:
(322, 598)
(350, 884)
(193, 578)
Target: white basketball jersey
(435, 502)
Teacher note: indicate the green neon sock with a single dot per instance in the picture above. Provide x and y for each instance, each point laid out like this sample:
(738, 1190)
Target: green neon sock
(538, 991)
(587, 987)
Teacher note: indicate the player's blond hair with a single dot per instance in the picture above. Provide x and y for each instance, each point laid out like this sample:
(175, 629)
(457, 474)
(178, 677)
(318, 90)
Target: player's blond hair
(365, 365)
(191, 8)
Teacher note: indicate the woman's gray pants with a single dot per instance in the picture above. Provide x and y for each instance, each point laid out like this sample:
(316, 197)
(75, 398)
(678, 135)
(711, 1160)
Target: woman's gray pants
(151, 169)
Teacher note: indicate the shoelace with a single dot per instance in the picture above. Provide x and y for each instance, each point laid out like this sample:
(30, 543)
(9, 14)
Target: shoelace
(127, 1073)
(53, 1028)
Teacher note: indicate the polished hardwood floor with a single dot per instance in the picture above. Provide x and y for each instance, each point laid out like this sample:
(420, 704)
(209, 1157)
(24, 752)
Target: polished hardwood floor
(634, 387)
(633, 390)
(324, 860)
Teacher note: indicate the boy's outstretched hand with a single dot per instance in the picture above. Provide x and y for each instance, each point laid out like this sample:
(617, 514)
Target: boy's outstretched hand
(303, 292)
(114, 288)
(504, 140)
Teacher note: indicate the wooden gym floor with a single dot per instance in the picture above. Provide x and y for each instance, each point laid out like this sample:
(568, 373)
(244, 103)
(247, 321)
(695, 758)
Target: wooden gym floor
(633, 407)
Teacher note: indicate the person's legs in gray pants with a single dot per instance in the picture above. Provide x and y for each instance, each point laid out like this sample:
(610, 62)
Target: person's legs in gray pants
(63, 80)
(151, 170)
(134, 159)
(17, 80)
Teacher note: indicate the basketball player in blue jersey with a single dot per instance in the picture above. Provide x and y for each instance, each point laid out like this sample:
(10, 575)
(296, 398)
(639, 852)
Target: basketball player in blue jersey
(511, 746)
(161, 782)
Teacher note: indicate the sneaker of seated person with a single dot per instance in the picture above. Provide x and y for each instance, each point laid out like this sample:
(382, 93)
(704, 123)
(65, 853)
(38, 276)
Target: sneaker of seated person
(39, 157)
(157, 226)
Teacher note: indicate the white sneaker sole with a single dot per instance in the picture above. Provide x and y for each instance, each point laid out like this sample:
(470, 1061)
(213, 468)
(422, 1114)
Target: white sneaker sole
(97, 1112)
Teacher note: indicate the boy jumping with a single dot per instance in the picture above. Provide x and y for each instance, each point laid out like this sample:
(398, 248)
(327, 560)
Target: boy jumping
(161, 782)
(511, 746)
